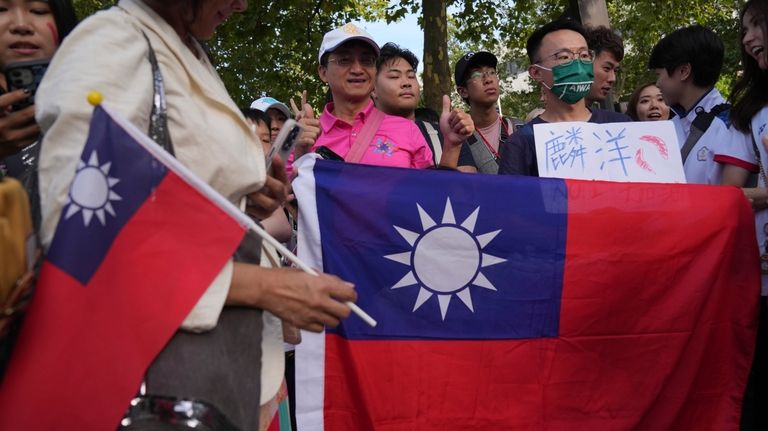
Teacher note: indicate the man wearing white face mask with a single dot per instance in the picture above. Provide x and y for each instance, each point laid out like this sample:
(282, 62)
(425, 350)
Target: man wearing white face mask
(562, 62)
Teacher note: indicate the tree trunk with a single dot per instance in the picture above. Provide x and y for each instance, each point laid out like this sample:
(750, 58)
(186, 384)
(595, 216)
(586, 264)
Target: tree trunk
(437, 71)
(594, 13)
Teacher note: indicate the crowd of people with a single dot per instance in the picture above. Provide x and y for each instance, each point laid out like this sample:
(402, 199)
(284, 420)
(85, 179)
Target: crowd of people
(372, 117)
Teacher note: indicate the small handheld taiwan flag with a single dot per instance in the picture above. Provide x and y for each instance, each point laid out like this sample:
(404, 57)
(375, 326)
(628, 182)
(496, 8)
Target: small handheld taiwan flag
(139, 240)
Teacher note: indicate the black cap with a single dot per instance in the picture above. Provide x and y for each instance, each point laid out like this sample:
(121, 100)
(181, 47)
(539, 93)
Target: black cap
(470, 60)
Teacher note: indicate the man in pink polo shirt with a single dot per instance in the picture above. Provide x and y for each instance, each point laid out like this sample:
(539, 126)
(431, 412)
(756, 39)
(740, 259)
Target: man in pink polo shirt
(352, 127)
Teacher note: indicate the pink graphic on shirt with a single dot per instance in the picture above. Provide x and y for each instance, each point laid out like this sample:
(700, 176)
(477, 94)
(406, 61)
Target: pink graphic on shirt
(384, 147)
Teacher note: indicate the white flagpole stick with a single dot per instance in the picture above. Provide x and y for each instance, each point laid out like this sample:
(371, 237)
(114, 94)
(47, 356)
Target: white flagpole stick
(304, 267)
(173, 164)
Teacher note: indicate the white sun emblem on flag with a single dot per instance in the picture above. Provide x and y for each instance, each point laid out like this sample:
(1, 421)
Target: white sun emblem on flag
(446, 259)
(91, 191)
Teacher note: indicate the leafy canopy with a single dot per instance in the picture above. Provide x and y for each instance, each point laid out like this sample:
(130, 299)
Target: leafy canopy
(272, 47)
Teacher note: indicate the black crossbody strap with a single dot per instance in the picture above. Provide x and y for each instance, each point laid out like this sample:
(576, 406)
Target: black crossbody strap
(699, 126)
(433, 139)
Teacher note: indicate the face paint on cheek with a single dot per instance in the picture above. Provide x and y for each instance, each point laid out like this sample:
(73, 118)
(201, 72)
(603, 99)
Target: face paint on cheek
(54, 33)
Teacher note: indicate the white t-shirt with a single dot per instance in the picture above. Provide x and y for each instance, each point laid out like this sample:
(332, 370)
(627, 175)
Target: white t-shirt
(719, 145)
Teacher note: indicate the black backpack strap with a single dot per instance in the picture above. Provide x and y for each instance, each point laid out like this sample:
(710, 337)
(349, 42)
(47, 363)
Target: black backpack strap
(433, 139)
(722, 108)
(699, 126)
(507, 129)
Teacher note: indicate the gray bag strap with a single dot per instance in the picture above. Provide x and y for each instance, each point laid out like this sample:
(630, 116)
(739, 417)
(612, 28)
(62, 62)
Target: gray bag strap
(485, 161)
(699, 126)
(158, 118)
(693, 138)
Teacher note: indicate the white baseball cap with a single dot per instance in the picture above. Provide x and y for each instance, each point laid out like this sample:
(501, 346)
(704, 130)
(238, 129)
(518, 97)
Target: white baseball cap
(264, 103)
(347, 32)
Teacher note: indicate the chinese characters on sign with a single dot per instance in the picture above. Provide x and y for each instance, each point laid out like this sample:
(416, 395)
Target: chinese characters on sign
(637, 152)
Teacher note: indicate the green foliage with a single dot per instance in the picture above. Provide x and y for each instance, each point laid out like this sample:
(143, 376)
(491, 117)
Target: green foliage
(85, 8)
(643, 23)
(272, 47)
(522, 19)
(497, 26)
(512, 23)
(503, 27)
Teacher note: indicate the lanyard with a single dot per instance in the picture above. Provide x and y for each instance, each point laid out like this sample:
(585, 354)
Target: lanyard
(488, 144)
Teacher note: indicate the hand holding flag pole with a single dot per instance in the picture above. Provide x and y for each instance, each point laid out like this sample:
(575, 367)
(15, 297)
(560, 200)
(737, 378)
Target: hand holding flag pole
(304, 267)
(95, 98)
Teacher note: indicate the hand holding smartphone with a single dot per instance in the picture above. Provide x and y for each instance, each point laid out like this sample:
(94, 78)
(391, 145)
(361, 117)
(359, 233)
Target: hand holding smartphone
(25, 75)
(285, 141)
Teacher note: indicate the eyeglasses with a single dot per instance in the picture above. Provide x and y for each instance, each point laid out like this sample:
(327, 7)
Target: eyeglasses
(348, 60)
(566, 56)
(482, 75)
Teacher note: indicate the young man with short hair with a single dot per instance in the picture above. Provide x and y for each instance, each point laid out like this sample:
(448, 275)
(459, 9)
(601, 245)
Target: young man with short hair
(478, 84)
(396, 88)
(608, 48)
(687, 63)
(562, 63)
(397, 92)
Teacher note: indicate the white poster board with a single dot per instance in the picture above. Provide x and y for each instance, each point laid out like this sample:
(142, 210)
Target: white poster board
(643, 151)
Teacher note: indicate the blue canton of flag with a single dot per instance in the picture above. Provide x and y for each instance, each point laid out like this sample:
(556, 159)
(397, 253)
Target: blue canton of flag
(98, 204)
(436, 257)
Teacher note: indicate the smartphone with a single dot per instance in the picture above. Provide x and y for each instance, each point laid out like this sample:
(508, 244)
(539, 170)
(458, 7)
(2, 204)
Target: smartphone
(327, 154)
(25, 75)
(285, 141)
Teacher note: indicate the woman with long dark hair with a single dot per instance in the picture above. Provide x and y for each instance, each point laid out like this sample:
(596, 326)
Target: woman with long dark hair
(749, 114)
(647, 104)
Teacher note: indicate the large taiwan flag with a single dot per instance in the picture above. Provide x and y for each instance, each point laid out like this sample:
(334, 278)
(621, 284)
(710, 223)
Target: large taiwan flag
(138, 242)
(516, 303)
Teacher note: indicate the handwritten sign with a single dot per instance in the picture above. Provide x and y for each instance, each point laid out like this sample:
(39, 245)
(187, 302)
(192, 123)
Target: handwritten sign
(629, 152)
